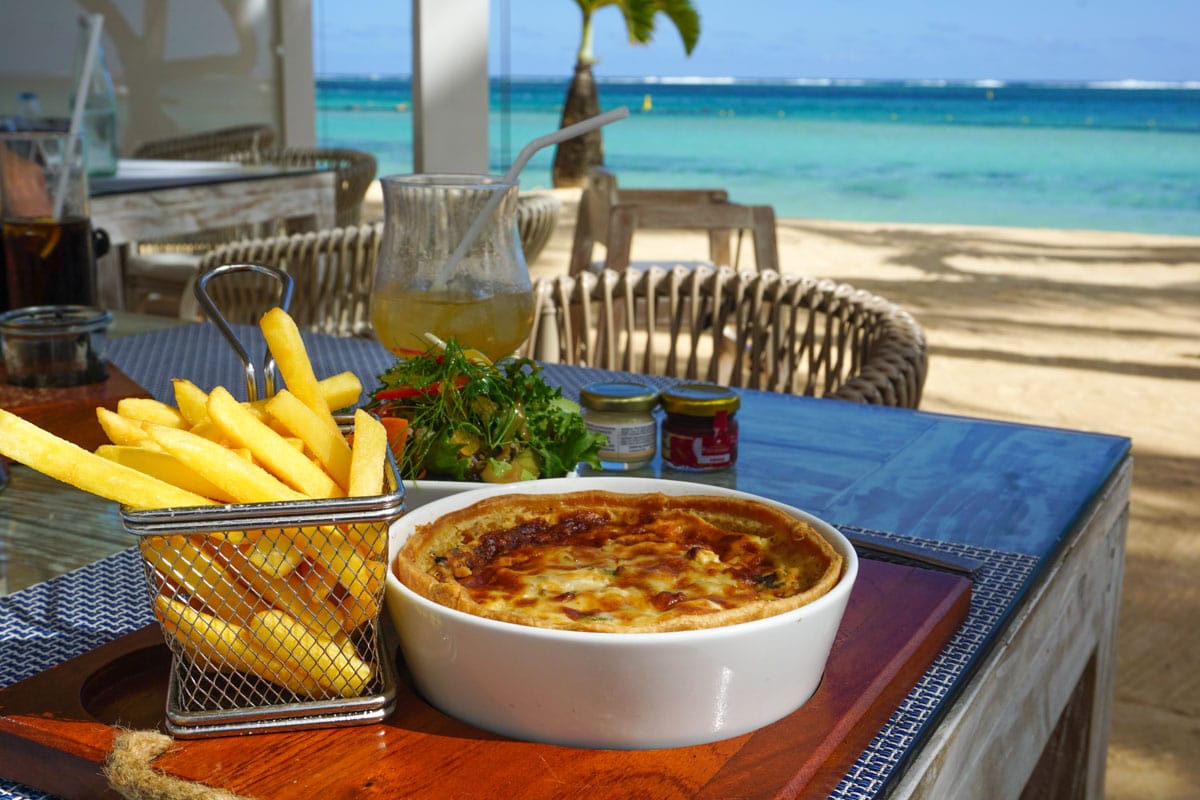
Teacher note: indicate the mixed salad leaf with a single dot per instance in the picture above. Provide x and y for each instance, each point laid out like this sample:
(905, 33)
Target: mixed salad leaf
(470, 419)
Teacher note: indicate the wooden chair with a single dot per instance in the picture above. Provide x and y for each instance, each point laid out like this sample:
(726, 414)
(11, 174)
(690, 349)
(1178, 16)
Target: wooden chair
(719, 219)
(332, 270)
(609, 216)
(759, 330)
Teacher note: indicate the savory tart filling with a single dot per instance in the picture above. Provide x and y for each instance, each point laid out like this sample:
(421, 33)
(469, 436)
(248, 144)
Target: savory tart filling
(605, 561)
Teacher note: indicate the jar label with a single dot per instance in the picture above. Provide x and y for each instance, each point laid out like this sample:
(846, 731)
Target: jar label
(692, 449)
(627, 439)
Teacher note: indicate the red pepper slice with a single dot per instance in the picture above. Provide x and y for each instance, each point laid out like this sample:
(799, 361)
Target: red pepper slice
(402, 392)
(405, 392)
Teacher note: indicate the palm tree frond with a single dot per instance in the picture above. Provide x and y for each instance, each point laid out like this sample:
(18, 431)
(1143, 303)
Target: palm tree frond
(639, 19)
(685, 18)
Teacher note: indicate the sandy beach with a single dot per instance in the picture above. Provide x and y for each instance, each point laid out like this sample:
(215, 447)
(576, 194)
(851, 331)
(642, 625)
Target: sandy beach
(1086, 330)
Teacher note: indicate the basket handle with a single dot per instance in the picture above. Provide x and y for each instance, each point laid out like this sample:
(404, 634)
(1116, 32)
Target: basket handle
(214, 314)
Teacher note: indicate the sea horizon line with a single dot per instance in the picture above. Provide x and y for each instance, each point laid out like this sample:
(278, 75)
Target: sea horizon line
(1131, 84)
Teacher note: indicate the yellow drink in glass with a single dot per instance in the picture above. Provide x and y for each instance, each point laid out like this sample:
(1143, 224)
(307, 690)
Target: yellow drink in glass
(494, 325)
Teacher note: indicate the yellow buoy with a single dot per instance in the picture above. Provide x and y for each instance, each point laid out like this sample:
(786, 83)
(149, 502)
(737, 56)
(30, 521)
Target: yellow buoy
(646, 104)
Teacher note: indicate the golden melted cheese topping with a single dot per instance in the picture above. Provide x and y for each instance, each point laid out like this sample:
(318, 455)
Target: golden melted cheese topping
(631, 567)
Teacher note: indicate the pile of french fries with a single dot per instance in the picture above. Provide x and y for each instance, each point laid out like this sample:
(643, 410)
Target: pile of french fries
(281, 604)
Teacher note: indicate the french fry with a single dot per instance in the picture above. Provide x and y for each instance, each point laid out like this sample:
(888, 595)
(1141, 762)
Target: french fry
(150, 410)
(220, 645)
(207, 641)
(278, 560)
(328, 447)
(26, 443)
(209, 430)
(163, 466)
(191, 400)
(190, 568)
(360, 576)
(269, 448)
(123, 430)
(367, 456)
(282, 590)
(322, 660)
(283, 339)
(341, 390)
(243, 479)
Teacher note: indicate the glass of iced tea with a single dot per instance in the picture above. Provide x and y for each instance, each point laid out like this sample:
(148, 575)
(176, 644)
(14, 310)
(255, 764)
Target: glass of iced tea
(47, 233)
(425, 283)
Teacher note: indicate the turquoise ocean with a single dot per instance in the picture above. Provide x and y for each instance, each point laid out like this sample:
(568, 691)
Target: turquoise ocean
(1122, 157)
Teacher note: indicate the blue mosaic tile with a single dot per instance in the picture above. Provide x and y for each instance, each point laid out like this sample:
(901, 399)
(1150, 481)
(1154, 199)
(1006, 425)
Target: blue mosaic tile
(995, 587)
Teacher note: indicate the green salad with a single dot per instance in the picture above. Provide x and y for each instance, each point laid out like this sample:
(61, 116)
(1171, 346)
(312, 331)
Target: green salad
(469, 419)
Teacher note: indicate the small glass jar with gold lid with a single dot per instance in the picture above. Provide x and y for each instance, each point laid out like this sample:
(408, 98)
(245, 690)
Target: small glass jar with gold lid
(700, 431)
(624, 412)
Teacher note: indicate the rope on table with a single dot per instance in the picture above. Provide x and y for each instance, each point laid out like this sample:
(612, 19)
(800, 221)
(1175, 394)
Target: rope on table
(129, 771)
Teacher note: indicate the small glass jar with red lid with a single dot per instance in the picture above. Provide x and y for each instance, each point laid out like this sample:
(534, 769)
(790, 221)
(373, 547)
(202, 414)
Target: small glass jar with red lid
(700, 431)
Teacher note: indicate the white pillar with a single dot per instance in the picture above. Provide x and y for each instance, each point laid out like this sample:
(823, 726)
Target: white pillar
(450, 85)
(297, 111)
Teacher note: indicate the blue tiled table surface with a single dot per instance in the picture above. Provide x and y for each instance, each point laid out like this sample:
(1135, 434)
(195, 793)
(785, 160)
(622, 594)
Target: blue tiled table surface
(1004, 494)
(1003, 486)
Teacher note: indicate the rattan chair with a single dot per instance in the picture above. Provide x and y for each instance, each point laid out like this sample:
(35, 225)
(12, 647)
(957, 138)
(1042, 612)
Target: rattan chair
(332, 271)
(222, 144)
(537, 217)
(759, 330)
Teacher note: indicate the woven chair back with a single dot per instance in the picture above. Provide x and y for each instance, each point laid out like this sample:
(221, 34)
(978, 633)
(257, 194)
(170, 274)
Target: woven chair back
(223, 144)
(537, 217)
(759, 330)
(332, 270)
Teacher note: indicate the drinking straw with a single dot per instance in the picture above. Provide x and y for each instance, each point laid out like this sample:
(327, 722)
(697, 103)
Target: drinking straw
(560, 135)
(85, 79)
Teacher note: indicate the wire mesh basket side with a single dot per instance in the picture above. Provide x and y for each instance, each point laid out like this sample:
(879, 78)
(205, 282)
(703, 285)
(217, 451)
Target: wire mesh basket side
(267, 617)
(272, 611)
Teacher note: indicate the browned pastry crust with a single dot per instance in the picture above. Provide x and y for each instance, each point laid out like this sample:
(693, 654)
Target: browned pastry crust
(612, 562)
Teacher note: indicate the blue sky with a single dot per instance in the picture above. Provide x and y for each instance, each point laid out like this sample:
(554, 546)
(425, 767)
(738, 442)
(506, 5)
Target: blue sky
(1148, 40)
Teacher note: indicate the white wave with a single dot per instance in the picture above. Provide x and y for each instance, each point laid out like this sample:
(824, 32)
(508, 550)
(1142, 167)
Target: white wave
(1133, 83)
(693, 80)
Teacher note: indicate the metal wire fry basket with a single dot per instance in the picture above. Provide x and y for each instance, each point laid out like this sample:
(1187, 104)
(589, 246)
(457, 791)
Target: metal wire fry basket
(272, 611)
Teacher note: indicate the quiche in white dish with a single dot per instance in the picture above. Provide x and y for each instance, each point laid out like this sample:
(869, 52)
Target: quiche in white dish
(617, 562)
